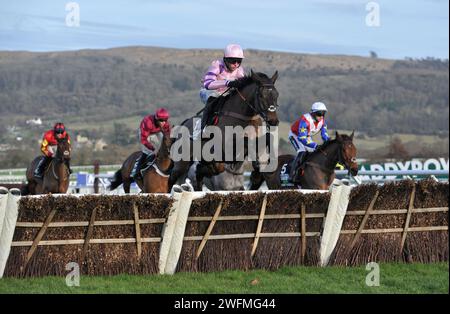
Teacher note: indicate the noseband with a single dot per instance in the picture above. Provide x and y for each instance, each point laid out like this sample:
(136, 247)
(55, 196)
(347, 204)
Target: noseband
(272, 108)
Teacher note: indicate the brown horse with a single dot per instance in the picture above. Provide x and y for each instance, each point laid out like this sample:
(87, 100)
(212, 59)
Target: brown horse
(319, 166)
(56, 175)
(156, 177)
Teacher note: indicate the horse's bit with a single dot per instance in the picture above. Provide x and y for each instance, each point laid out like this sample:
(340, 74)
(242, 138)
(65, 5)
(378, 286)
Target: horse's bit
(272, 108)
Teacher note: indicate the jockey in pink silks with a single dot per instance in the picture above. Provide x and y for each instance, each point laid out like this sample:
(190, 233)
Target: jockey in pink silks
(221, 75)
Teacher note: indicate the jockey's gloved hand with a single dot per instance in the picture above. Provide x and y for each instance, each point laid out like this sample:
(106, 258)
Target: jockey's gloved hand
(235, 84)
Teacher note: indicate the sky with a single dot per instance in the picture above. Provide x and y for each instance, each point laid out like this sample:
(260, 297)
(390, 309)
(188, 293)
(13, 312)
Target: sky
(393, 29)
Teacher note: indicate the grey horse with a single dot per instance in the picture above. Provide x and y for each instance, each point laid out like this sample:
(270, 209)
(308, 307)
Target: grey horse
(232, 179)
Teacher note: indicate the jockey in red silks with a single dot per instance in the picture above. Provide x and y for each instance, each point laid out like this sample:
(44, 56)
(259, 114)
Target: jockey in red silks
(150, 135)
(221, 75)
(301, 134)
(48, 148)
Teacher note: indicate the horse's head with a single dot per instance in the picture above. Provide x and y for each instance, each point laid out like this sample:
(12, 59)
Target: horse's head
(347, 155)
(265, 97)
(166, 143)
(63, 150)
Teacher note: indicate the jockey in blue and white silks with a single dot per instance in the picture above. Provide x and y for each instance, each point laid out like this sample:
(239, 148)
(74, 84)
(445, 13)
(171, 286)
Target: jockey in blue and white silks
(301, 133)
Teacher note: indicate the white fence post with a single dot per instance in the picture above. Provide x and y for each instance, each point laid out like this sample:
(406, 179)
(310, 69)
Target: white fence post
(8, 226)
(333, 221)
(173, 230)
(3, 201)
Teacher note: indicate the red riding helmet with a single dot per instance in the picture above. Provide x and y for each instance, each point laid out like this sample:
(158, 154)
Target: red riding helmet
(60, 130)
(162, 114)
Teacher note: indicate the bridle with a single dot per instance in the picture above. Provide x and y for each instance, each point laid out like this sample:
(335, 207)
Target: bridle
(60, 154)
(166, 143)
(263, 114)
(341, 158)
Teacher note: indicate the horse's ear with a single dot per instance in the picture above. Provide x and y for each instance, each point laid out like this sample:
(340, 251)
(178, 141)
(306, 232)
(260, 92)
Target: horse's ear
(338, 136)
(274, 77)
(351, 135)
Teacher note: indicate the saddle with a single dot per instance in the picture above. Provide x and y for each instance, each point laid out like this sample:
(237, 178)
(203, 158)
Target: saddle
(216, 107)
(297, 167)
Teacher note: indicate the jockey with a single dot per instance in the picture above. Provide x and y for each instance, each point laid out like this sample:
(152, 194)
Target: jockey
(48, 147)
(221, 76)
(301, 134)
(150, 137)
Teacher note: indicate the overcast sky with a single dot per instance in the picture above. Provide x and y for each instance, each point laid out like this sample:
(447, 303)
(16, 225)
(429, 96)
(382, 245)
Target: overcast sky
(407, 28)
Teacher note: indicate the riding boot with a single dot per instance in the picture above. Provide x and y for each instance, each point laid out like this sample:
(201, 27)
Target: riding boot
(135, 173)
(206, 112)
(296, 166)
(39, 170)
(148, 161)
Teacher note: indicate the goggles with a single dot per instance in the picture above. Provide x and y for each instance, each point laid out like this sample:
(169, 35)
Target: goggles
(233, 60)
(320, 113)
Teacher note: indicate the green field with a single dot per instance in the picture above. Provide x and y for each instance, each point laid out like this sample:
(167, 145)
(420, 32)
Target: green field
(394, 278)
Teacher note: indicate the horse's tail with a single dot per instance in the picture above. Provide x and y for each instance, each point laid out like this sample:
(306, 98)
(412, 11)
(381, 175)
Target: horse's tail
(25, 189)
(117, 180)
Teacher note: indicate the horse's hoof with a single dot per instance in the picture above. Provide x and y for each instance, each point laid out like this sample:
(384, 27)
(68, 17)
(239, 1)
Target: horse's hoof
(15, 191)
(187, 186)
(176, 189)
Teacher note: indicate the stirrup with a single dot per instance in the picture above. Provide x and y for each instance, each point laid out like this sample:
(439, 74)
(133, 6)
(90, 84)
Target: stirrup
(198, 134)
(134, 172)
(39, 176)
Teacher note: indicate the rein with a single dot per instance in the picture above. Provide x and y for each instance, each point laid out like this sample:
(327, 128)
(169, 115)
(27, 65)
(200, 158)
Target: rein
(257, 98)
(340, 159)
(160, 158)
(53, 169)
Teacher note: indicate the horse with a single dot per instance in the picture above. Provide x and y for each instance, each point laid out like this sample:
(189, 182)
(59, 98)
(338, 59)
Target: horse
(232, 179)
(256, 99)
(155, 178)
(56, 175)
(319, 166)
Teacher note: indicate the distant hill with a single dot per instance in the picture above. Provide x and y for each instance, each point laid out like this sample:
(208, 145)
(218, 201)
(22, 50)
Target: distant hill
(367, 94)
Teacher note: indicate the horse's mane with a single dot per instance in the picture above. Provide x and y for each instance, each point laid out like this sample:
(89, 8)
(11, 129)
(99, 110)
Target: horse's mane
(65, 142)
(247, 79)
(344, 139)
(328, 143)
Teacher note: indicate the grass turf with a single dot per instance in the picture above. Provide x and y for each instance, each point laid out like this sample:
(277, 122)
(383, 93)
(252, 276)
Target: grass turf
(394, 278)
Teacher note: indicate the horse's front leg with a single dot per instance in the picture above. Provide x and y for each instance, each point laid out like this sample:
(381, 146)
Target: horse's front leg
(256, 180)
(126, 186)
(179, 169)
(273, 180)
(207, 170)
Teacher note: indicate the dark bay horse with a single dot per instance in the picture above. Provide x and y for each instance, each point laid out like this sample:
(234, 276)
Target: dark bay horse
(56, 176)
(156, 177)
(318, 166)
(256, 99)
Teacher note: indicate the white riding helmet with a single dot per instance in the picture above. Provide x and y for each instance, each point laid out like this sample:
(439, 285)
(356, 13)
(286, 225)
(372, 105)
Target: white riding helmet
(318, 106)
(233, 51)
